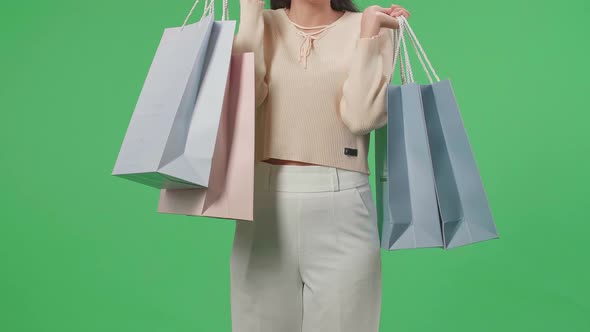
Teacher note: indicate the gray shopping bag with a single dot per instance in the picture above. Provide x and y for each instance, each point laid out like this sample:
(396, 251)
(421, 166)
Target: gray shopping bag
(465, 213)
(406, 197)
(171, 137)
(463, 206)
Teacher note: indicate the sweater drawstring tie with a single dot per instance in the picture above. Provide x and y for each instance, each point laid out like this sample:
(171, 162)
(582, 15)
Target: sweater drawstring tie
(307, 44)
(308, 38)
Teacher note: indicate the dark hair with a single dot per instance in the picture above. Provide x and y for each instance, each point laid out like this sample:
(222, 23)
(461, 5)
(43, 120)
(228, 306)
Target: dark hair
(339, 5)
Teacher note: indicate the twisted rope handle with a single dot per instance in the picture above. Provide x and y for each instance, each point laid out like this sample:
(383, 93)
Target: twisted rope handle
(400, 43)
(409, 77)
(421, 60)
(190, 13)
(418, 49)
(395, 53)
(209, 9)
(396, 50)
(225, 13)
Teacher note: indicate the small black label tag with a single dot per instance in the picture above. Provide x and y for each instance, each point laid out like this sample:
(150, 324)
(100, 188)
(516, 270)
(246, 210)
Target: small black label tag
(350, 152)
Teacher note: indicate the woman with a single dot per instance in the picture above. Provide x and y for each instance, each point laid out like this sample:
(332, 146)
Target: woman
(311, 260)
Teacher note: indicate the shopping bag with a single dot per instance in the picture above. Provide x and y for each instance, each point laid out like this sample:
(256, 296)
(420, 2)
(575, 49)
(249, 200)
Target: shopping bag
(406, 197)
(463, 206)
(171, 136)
(230, 194)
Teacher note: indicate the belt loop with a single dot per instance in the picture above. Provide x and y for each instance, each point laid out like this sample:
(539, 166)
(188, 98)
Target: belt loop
(335, 179)
(269, 170)
(261, 176)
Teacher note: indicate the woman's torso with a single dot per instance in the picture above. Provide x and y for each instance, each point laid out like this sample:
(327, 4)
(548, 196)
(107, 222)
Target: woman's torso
(289, 31)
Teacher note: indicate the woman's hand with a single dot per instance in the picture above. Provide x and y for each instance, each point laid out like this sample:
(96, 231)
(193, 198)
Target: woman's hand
(259, 2)
(376, 17)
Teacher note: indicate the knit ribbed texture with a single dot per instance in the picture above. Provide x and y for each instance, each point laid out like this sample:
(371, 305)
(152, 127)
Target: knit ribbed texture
(311, 112)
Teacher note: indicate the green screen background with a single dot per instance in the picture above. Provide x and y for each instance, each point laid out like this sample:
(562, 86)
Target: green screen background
(81, 250)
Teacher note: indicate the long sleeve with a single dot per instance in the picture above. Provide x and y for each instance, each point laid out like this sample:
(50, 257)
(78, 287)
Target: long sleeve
(250, 38)
(363, 106)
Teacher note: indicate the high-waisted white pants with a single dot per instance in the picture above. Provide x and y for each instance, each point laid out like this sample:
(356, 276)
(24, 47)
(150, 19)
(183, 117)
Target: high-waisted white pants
(310, 261)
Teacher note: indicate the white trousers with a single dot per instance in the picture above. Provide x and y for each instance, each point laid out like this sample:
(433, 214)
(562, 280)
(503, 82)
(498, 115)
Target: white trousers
(311, 260)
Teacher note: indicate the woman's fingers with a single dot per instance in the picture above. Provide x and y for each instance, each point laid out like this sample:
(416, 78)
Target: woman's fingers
(387, 16)
(381, 9)
(401, 11)
(388, 21)
(393, 10)
(397, 10)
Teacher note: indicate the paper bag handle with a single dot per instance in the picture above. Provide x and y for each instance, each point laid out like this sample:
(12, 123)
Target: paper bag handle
(419, 50)
(399, 43)
(209, 9)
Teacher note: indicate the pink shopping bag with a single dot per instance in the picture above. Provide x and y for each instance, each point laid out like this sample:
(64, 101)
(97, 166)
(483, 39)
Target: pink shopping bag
(230, 194)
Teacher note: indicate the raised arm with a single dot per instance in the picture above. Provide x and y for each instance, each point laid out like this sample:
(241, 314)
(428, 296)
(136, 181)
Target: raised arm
(250, 38)
(364, 92)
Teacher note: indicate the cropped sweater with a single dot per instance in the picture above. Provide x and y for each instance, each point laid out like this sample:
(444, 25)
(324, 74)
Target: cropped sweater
(318, 96)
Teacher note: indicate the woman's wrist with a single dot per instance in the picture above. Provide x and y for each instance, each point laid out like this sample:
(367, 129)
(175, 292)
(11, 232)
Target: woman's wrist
(376, 17)
(370, 32)
(259, 2)
(370, 22)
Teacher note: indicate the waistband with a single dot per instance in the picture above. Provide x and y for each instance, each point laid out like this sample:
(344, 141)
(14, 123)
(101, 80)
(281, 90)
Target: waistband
(311, 178)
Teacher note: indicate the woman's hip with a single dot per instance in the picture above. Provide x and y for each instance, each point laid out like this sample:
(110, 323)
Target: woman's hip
(327, 209)
(299, 178)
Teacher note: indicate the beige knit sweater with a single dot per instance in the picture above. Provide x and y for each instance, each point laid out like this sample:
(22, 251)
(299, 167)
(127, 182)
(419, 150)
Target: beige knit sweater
(317, 98)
